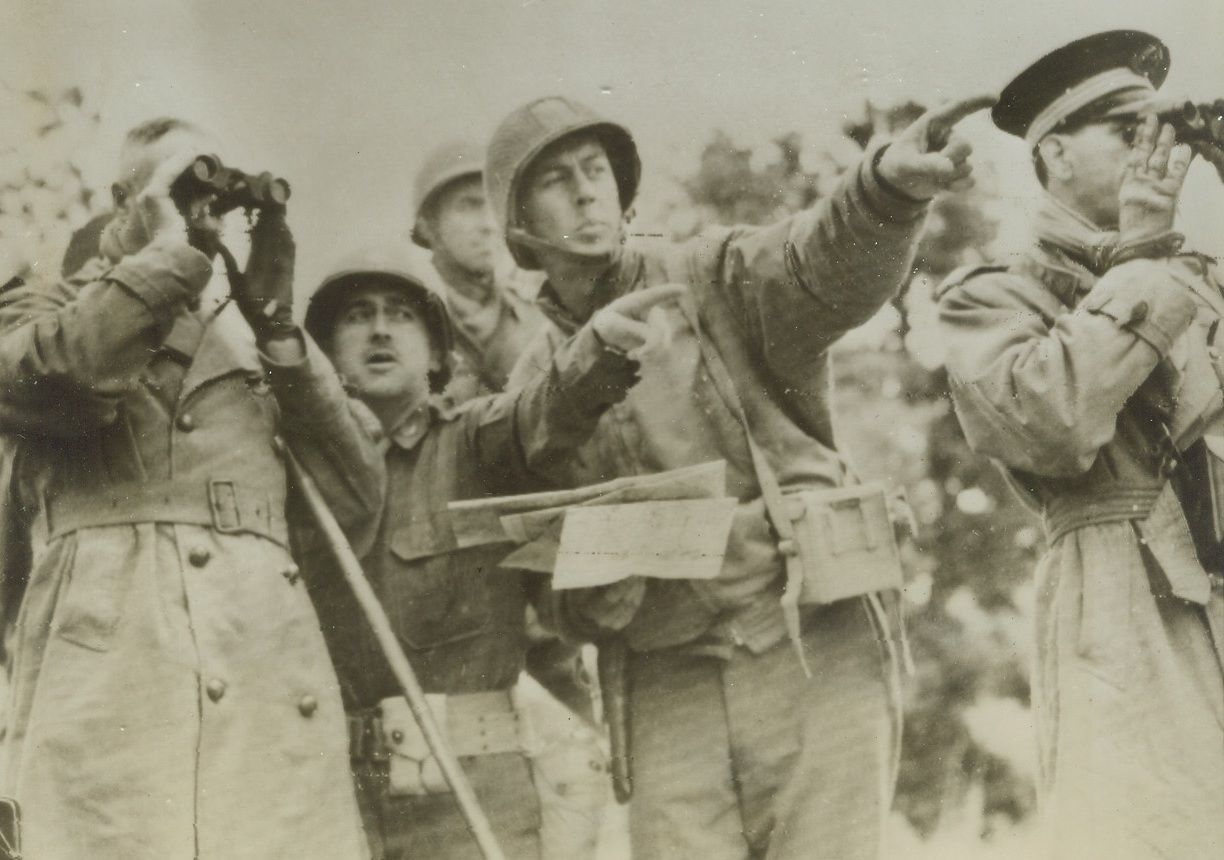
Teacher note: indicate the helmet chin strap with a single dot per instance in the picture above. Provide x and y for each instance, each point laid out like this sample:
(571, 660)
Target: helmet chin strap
(583, 258)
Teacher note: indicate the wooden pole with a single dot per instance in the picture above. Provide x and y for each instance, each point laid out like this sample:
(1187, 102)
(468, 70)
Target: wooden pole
(404, 674)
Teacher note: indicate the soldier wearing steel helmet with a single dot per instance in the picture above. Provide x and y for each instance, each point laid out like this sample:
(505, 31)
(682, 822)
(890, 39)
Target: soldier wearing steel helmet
(491, 306)
(460, 619)
(742, 744)
(490, 302)
(1087, 367)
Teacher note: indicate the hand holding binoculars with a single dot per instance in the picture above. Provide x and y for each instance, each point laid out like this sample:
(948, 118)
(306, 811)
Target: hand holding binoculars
(231, 187)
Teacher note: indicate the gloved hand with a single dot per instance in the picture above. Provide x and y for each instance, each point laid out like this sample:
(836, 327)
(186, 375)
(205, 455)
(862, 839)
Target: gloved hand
(264, 293)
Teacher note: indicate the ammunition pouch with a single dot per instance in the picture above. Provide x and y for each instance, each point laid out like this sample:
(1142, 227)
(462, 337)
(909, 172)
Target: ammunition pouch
(843, 541)
(472, 723)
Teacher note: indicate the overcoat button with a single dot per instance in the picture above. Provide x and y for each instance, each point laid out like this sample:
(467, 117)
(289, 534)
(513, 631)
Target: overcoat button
(199, 556)
(308, 706)
(215, 689)
(1139, 312)
(291, 573)
(185, 422)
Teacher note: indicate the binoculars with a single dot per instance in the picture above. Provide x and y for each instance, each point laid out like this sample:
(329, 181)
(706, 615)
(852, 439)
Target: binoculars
(1197, 123)
(233, 189)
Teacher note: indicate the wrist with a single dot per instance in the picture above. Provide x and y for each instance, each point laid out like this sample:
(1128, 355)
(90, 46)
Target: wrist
(889, 183)
(269, 319)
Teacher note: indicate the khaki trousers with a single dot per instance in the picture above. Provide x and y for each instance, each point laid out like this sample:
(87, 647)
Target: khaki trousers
(747, 758)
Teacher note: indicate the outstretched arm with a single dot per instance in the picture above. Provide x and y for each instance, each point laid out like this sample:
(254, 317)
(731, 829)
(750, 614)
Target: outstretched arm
(800, 284)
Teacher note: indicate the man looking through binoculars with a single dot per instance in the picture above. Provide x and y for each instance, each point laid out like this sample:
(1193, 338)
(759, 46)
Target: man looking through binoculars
(171, 692)
(1088, 368)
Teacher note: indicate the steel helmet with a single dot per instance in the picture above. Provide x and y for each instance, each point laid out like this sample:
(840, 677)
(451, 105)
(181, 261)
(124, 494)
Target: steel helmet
(447, 163)
(396, 264)
(524, 134)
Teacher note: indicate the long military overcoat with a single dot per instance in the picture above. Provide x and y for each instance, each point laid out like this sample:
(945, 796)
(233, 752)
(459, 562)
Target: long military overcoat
(171, 693)
(1095, 395)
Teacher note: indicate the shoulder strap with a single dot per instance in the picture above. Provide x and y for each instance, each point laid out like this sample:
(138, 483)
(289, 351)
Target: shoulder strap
(685, 271)
(767, 478)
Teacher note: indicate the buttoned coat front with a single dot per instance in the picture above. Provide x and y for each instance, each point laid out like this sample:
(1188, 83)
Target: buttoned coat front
(171, 694)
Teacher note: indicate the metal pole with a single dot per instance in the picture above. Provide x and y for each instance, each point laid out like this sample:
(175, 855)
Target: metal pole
(377, 618)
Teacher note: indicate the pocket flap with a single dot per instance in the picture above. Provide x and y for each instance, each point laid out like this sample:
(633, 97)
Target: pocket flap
(422, 538)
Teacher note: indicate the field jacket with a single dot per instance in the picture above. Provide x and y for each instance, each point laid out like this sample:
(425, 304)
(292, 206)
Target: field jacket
(772, 301)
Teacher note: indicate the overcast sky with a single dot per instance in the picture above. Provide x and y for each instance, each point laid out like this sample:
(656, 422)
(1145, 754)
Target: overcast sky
(344, 98)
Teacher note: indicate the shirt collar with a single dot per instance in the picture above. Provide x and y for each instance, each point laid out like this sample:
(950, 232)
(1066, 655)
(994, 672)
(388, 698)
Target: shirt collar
(413, 427)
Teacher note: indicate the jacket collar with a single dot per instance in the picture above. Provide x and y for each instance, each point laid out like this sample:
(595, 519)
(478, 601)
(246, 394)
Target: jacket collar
(225, 346)
(1065, 277)
(616, 280)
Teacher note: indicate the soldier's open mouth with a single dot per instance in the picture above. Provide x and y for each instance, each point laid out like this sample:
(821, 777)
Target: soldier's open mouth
(381, 358)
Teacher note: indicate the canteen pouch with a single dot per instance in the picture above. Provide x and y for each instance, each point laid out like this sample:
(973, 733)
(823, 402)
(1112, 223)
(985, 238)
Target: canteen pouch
(472, 724)
(414, 770)
(844, 541)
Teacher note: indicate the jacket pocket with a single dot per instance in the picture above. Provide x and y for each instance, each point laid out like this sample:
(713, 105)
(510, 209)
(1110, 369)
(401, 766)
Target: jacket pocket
(93, 591)
(436, 594)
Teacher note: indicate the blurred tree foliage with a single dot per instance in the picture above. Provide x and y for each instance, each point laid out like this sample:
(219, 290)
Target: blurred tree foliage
(969, 567)
(43, 193)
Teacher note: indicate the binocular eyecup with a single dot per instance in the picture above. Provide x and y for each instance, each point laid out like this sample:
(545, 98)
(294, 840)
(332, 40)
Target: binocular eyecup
(231, 187)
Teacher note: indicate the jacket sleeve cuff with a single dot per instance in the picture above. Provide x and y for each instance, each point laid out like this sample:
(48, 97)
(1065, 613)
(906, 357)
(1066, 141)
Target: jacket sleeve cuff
(163, 275)
(879, 197)
(1143, 298)
(594, 372)
(307, 383)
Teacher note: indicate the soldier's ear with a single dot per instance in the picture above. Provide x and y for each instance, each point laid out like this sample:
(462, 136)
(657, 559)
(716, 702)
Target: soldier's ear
(119, 194)
(1052, 151)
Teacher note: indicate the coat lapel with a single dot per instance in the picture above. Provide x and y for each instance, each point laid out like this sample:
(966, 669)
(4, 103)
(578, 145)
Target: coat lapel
(227, 347)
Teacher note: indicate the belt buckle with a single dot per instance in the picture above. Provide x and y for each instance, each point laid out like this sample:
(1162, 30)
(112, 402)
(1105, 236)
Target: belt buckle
(223, 503)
